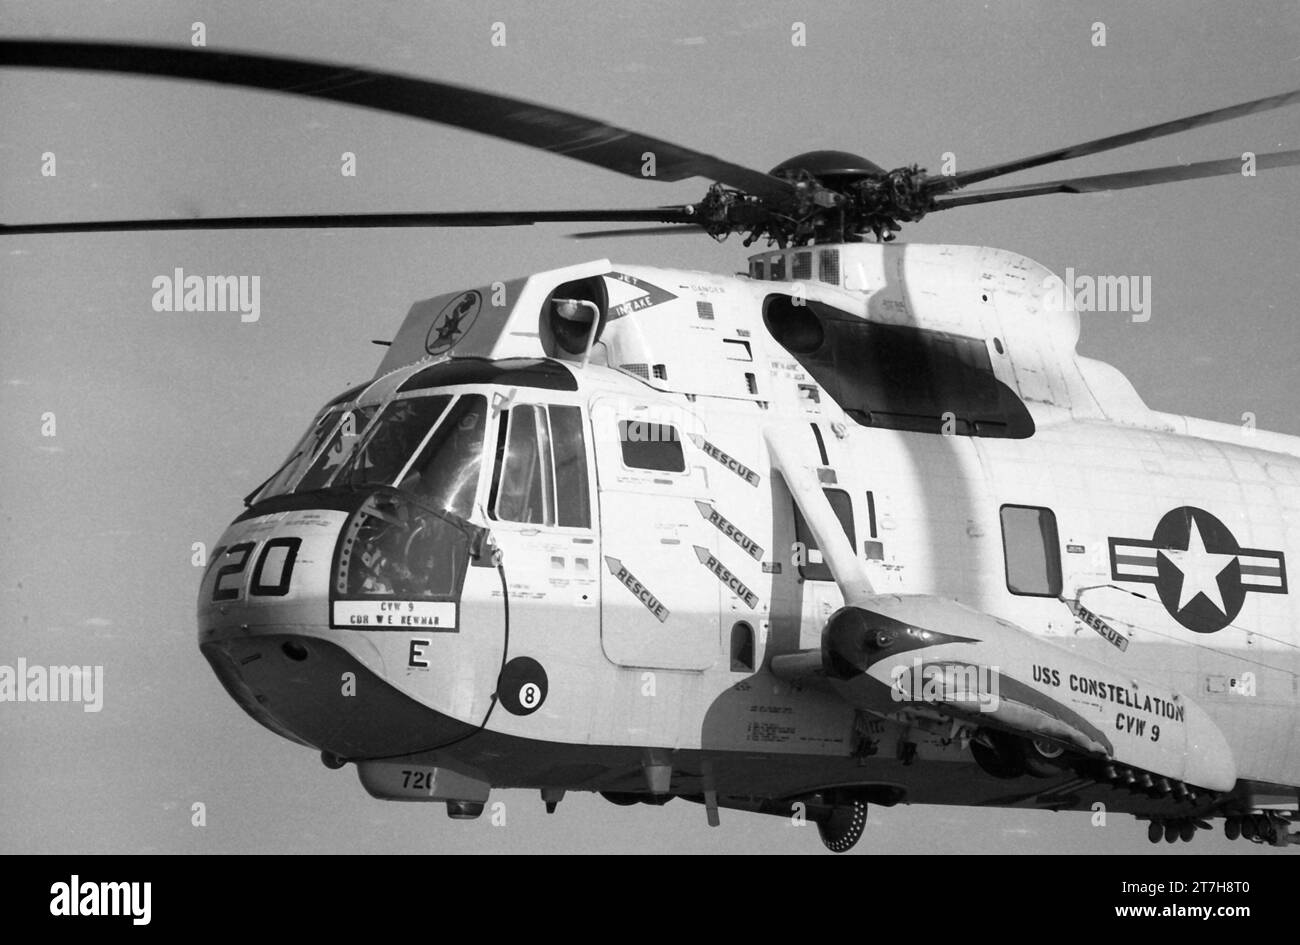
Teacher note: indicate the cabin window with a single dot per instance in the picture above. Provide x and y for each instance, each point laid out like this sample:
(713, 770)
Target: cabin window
(1032, 551)
(742, 648)
(541, 468)
(653, 446)
(898, 377)
(814, 567)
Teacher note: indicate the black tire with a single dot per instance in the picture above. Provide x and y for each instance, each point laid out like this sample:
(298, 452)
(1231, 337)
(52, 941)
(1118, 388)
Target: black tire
(1043, 759)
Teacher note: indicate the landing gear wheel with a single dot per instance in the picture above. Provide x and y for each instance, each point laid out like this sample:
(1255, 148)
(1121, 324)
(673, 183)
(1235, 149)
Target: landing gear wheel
(1232, 828)
(1171, 832)
(843, 828)
(1043, 759)
(1265, 828)
(1155, 831)
(1187, 831)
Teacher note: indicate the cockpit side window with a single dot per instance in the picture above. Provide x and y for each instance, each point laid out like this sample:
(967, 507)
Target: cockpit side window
(445, 473)
(526, 487)
(573, 499)
(541, 468)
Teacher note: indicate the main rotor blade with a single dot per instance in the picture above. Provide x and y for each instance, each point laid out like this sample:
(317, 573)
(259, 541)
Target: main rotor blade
(953, 182)
(1121, 181)
(537, 126)
(637, 231)
(362, 220)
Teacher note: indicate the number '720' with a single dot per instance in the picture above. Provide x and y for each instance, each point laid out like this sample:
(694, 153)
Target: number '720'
(227, 584)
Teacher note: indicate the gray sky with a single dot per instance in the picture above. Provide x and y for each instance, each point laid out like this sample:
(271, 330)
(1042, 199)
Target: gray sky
(164, 421)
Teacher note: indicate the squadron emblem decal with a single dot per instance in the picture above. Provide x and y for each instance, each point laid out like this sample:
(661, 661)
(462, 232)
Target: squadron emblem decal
(452, 322)
(1199, 570)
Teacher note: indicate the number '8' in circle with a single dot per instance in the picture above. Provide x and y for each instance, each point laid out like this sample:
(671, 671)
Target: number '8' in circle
(522, 687)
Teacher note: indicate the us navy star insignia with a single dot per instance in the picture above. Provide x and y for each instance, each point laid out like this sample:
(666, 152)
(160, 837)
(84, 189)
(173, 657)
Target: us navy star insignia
(1200, 572)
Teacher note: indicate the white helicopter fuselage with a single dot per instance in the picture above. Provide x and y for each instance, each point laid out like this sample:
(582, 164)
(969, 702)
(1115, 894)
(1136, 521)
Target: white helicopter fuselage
(617, 626)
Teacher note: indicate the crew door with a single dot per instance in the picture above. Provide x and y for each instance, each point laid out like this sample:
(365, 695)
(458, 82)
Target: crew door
(659, 574)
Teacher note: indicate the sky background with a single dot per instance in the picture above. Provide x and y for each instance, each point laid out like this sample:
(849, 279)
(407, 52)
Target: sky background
(165, 420)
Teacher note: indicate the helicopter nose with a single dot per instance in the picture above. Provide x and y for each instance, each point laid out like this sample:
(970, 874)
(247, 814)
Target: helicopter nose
(290, 603)
(323, 693)
(270, 571)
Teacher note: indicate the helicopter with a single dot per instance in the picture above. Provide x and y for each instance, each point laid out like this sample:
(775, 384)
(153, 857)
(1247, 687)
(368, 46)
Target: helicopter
(855, 527)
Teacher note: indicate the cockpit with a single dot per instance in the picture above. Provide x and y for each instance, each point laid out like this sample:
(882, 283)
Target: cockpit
(404, 458)
(427, 444)
(409, 431)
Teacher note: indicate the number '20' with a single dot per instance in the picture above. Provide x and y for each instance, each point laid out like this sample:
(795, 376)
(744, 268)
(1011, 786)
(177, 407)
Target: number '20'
(226, 584)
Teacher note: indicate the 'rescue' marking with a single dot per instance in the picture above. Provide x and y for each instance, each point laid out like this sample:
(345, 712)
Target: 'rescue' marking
(726, 577)
(714, 517)
(735, 465)
(639, 590)
(1107, 632)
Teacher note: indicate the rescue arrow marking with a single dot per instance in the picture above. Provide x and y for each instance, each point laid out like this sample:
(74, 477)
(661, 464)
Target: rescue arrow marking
(726, 577)
(639, 590)
(1108, 633)
(735, 465)
(714, 517)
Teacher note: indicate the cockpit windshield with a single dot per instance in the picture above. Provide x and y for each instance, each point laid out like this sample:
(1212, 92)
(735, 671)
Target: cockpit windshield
(428, 444)
(301, 455)
(352, 424)
(389, 442)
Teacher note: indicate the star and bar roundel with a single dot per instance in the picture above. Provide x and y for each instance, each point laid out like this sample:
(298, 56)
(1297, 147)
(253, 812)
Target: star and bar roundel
(1199, 570)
